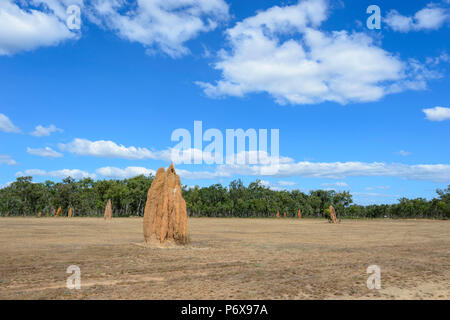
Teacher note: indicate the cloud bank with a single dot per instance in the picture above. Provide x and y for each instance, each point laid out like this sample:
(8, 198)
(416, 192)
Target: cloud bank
(306, 169)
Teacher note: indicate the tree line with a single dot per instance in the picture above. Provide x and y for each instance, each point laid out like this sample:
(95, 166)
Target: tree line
(128, 196)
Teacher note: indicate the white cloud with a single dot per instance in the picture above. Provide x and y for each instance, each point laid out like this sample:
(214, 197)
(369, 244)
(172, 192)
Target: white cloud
(64, 173)
(437, 113)
(342, 170)
(27, 26)
(335, 185)
(282, 52)
(404, 153)
(41, 131)
(6, 125)
(333, 170)
(44, 152)
(6, 159)
(429, 18)
(330, 170)
(109, 149)
(129, 172)
(164, 24)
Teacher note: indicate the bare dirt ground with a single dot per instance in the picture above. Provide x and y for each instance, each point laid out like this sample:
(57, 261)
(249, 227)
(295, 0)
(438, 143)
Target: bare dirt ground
(227, 259)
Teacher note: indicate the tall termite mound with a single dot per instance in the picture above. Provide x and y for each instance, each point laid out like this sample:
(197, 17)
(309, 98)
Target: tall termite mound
(333, 218)
(108, 210)
(165, 215)
(59, 212)
(299, 215)
(70, 214)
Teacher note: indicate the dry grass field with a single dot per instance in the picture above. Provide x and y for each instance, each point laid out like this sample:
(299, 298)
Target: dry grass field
(227, 259)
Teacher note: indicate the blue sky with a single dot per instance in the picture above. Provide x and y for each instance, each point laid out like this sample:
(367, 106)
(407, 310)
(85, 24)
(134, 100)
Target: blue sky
(357, 109)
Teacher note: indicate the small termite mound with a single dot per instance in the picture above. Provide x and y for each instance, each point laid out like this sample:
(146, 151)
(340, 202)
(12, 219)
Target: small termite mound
(108, 210)
(333, 218)
(59, 212)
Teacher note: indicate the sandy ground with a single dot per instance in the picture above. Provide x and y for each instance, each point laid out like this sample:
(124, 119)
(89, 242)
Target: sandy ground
(227, 259)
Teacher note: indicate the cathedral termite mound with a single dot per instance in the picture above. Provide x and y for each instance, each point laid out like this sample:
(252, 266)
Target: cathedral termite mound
(165, 215)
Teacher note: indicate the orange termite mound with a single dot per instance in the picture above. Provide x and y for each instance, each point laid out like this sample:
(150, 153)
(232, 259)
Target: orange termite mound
(70, 214)
(39, 214)
(333, 215)
(299, 215)
(285, 214)
(278, 214)
(165, 215)
(59, 212)
(108, 210)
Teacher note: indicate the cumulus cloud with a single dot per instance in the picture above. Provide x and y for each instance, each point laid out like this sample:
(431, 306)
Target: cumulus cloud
(103, 148)
(61, 174)
(46, 152)
(437, 113)
(282, 52)
(6, 124)
(163, 24)
(429, 18)
(6, 159)
(41, 131)
(110, 149)
(26, 26)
